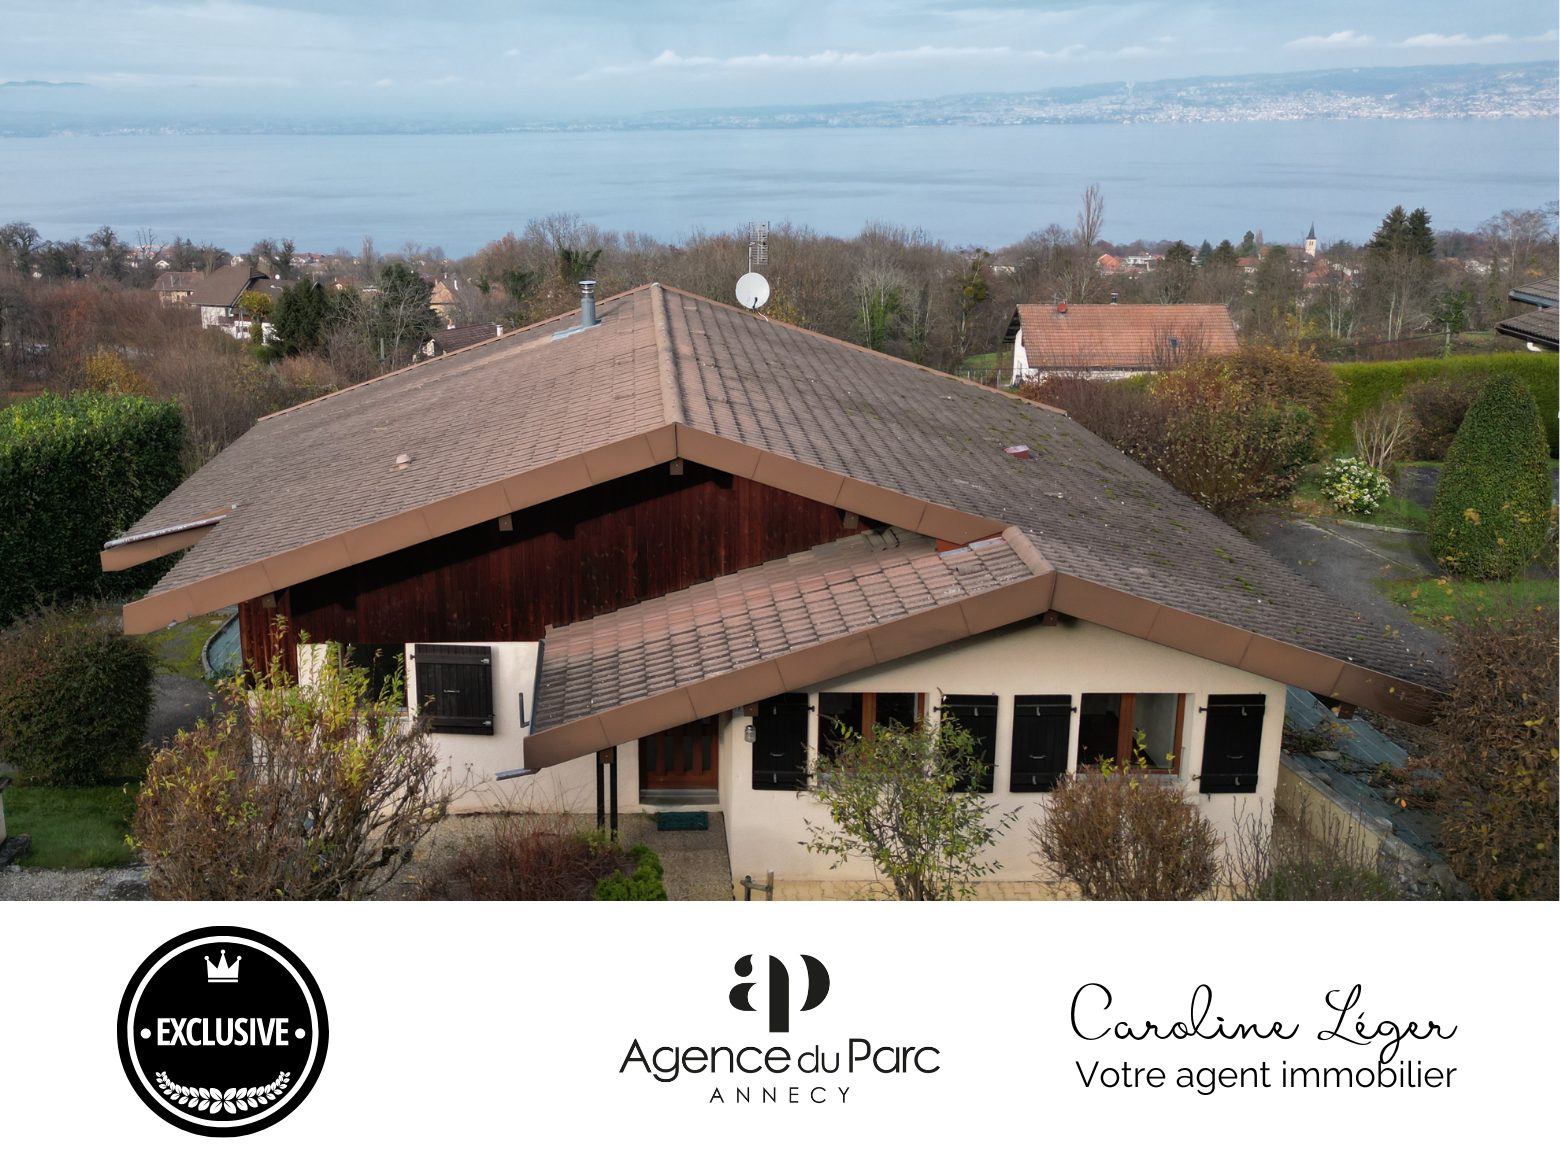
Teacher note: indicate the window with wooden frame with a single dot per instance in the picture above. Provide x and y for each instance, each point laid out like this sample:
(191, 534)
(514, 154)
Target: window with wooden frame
(977, 714)
(384, 663)
(455, 688)
(1042, 738)
(1120, 727)
(1232, 743)
(861, 711)
(780, 743)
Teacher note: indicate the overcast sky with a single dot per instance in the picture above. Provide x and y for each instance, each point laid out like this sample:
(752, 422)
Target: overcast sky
(484, 59)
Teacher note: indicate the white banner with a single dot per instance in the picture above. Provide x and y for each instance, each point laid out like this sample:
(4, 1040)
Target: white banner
(618, 1034)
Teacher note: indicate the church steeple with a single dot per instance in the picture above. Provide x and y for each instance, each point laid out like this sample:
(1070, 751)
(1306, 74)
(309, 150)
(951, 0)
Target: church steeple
(1310, 240)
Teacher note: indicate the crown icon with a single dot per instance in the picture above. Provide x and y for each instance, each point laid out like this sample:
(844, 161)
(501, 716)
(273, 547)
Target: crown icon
(222, 971)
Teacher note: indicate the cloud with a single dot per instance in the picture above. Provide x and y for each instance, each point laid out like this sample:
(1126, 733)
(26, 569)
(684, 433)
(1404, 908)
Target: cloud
(511, 52)
(839, 59)
(1454, 41)
(1347, 39)
(383, 83)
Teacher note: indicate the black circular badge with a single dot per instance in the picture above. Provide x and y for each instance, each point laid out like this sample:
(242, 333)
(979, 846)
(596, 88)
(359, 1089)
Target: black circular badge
(222, 1031)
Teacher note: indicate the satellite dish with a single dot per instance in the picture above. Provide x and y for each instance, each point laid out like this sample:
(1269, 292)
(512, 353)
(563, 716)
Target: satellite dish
(752, 291)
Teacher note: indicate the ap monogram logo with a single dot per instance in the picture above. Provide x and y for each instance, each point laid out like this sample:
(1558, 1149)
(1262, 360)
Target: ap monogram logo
(779, 988)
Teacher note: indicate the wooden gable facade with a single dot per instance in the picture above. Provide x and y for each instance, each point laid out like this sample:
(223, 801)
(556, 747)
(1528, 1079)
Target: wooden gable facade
(593, 552)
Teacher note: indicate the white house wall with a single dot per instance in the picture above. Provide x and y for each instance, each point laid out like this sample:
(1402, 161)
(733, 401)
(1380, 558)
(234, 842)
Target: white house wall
(764, 828)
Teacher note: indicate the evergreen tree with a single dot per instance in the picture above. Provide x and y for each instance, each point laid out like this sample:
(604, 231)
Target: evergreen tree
(1205, 252)
(300, 318)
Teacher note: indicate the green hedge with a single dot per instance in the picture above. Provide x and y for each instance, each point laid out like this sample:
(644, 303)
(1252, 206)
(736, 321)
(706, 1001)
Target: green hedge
(1367, 384)
(75, 696)
(74, 472)
(643, 885)
(1491, 513)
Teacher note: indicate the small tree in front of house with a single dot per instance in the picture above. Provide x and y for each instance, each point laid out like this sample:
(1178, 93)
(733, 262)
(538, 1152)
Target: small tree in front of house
(905, 799)
(258, 306)
(291, 792)
(1124, 834)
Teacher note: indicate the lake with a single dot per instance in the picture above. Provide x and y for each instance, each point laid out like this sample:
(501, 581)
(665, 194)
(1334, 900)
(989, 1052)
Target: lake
(964, 184)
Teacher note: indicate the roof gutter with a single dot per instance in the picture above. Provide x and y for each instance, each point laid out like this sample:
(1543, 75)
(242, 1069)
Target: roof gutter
(125, 552)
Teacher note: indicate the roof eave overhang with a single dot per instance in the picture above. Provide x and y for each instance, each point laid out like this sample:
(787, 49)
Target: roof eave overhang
(1049, 590)
(795, 671)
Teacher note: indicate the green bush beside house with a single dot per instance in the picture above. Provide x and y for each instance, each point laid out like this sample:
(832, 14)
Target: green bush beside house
(1491, 514)
(74, 472)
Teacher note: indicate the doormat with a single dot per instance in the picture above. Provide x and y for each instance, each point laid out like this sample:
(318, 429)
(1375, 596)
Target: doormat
(668, 822)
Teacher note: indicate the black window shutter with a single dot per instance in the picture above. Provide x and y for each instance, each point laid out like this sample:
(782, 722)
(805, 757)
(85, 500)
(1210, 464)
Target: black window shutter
(1042, 738)
(977, 714)
(455, 688)
(780, 743)
(1232, 743)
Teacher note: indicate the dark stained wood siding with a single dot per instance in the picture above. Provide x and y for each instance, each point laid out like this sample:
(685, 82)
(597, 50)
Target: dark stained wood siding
(259, 634)
(629, 540)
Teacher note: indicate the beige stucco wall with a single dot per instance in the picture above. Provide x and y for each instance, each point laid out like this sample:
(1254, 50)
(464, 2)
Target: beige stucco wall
(765, 830)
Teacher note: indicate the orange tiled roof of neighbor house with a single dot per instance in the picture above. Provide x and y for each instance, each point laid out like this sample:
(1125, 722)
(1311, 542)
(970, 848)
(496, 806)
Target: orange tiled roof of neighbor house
(546, 411)
(1120, 337)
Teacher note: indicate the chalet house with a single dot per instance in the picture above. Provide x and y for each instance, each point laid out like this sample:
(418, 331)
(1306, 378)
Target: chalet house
(453, 337)
(176, 288)
(217, 298)
(1114, 341)
(1540, 325)
(649, 554)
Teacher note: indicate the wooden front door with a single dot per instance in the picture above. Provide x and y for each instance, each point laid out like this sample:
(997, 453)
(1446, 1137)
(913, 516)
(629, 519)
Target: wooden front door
(681, 759)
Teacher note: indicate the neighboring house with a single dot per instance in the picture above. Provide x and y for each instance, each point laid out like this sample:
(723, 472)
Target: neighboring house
(442, 300)
(1108, 264)
(1540, 327)
(176, 288)
(652, 562)
(453, 337)
(1114, 341)
(217, 297)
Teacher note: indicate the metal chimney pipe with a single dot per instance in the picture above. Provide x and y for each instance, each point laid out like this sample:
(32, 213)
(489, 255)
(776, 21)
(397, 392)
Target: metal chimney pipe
(587, 303)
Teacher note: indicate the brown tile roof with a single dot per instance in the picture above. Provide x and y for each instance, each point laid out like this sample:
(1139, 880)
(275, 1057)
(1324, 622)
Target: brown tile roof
(1545, 292)
(1541, 327)
(510, 422)
(449, 340)
(222, 287)
(780, 626)
(1120, 337)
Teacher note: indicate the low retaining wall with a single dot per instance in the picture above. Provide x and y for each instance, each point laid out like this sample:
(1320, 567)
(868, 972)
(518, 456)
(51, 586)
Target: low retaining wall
(1342, 805)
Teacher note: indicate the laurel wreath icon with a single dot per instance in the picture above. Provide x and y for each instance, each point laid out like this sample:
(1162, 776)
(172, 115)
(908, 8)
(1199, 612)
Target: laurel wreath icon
(222, 1100)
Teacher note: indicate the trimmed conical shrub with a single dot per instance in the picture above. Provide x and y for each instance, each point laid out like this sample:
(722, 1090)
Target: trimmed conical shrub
(1492, 507)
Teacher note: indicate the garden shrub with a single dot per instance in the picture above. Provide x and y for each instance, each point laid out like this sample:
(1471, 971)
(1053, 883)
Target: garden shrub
(1497, 793)
(642, 885)
(1368, 384)
(1353, 485)
(291, 792)
(1438, 406)
(1127, 836)
(1490, 518)
(1228, 431)
(75, 696)
(74, 472)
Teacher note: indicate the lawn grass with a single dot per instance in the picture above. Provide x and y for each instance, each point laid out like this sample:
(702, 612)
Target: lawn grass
(177, 649)
(72, 828)
(1397, 512)
(1437, 602)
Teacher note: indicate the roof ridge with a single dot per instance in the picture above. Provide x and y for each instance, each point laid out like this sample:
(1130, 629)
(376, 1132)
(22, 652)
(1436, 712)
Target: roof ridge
(672, 408)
